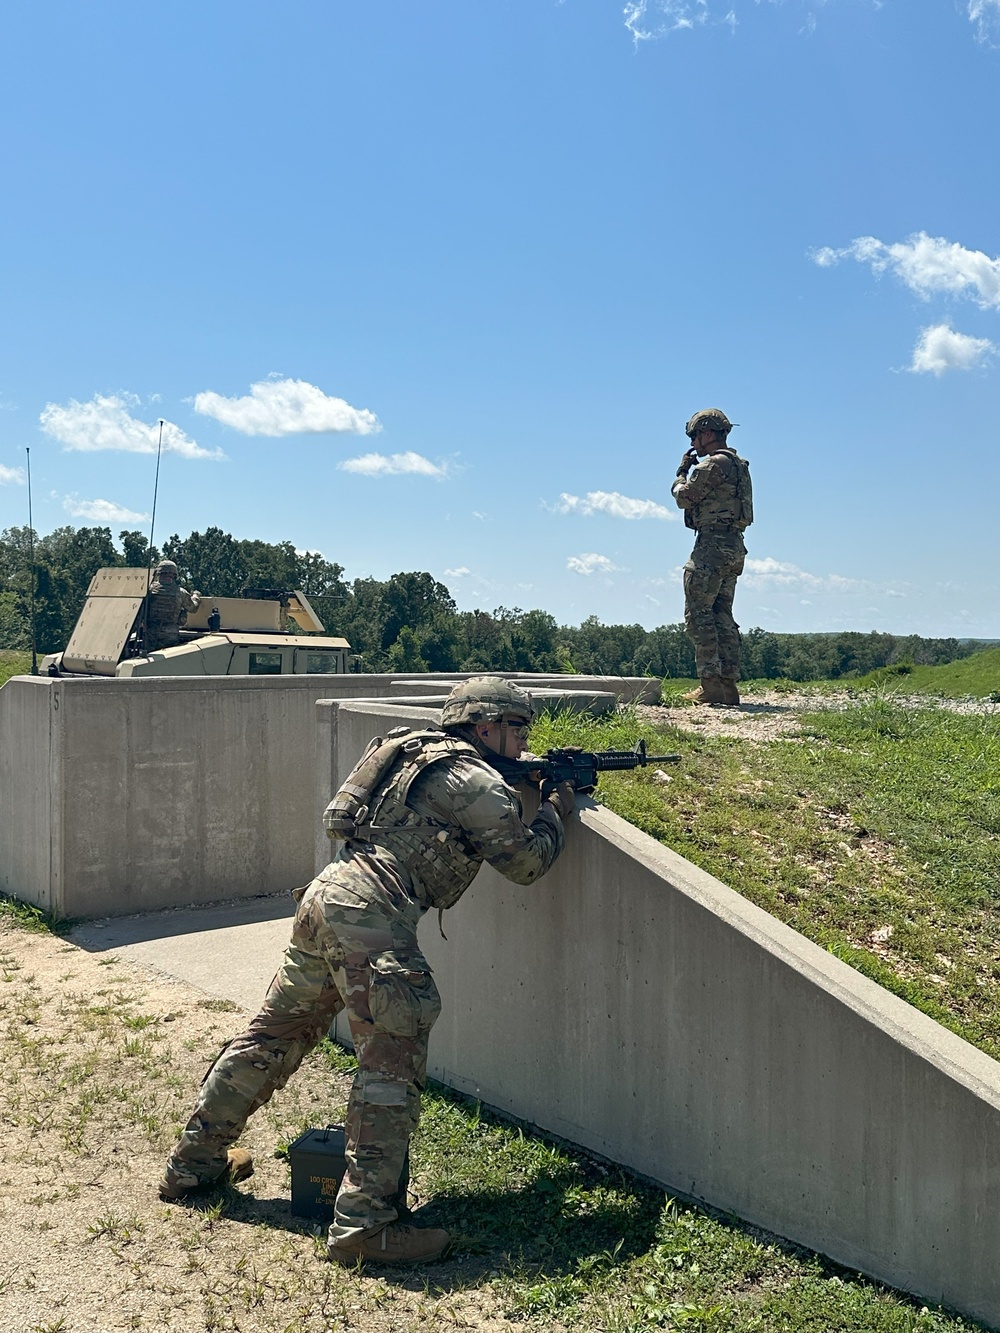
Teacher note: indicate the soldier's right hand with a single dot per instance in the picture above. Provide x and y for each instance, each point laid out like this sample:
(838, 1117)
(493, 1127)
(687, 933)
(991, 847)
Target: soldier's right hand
(561, 796)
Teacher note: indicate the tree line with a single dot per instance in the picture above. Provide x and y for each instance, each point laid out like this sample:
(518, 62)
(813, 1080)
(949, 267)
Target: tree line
(409, 622)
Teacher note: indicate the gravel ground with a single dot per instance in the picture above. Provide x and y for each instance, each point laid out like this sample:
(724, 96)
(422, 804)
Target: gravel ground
(773, 715)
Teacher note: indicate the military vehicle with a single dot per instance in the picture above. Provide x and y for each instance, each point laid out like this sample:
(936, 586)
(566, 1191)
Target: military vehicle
(225, 636)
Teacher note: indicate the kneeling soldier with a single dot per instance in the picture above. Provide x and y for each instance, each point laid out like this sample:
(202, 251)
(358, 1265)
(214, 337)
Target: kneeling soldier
(435, 812)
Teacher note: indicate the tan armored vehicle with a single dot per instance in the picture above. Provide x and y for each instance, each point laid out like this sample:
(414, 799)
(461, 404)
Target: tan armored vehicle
(225, 636)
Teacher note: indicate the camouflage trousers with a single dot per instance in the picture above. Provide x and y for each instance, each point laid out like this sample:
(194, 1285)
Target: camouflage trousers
(709, 587)
(354, 949)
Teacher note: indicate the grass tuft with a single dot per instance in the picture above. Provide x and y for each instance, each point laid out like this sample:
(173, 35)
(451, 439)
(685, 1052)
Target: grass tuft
(26, 917)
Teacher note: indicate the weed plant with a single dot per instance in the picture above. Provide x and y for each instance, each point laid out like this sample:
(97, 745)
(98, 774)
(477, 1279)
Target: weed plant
(14, 912)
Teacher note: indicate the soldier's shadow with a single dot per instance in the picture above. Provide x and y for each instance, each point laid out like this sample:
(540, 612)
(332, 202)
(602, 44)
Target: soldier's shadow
(540, 1227)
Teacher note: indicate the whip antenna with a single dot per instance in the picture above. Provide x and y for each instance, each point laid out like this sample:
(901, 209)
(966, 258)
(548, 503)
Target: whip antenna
(31, 564)
(152, 526)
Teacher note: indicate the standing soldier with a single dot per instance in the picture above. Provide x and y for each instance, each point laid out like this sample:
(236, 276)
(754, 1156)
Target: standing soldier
(718, 503)
(167, 603)
(419, 814)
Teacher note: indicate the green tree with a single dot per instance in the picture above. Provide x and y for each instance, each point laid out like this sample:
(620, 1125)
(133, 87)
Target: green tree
(136, 553)
(404, 655)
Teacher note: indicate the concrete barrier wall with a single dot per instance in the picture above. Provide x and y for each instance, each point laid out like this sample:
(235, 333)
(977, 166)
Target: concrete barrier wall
(633, 1004)
(123, 796)
(29, 841)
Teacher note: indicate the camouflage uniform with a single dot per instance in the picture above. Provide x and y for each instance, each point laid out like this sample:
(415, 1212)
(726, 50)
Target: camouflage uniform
(354, 947)
(710, 500)
(165, 605)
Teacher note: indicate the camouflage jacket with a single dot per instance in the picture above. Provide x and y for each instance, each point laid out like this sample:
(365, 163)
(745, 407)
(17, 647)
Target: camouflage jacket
(435, 830)
(710, 494)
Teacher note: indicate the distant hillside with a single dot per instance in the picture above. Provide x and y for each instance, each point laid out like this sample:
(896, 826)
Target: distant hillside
(978, 675)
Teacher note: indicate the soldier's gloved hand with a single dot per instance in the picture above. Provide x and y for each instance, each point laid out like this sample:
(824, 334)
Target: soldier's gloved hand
(687, 462)
(561, 796)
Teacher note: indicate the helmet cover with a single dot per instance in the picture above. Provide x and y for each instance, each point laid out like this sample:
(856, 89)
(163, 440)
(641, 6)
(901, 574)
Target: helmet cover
(486, 699)
(710, 418)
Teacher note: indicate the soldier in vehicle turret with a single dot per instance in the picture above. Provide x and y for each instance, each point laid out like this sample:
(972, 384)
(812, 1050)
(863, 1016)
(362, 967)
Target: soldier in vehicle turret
(430, 808)
(167, 605)
(718, 503)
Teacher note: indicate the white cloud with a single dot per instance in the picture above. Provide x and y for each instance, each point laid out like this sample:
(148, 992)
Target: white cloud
(786, 577)
(11, 476)
(287, 407)
(591, 563)
(985, 14)
(458, 573)
(610, 502)
(101, 511)
(649, 19)
(926, 264)
(768, 572)
(106, 423)
(393, 465)
(940, 348)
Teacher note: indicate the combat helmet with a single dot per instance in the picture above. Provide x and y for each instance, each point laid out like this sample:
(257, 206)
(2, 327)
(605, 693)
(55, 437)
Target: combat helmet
(485, 699)
(165, 567)
(709, 418)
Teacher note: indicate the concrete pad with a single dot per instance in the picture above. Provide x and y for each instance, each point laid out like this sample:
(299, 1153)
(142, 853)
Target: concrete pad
(228, 950)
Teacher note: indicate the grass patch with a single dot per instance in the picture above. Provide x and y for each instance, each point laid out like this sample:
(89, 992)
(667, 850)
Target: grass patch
(876, 835)
(978, 675)
(14, 912)
(13, 664)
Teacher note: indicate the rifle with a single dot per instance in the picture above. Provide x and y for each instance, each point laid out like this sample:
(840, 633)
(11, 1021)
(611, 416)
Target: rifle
(581, 767)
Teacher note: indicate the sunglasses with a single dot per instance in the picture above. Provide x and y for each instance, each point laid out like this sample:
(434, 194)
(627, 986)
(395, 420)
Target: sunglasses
(521, 727)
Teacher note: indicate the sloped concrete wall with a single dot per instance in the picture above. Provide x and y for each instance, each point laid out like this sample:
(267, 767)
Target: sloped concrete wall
(635, 1005)
(123, 796)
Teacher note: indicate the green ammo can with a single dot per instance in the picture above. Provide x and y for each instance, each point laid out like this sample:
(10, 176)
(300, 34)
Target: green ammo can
(318, 1165)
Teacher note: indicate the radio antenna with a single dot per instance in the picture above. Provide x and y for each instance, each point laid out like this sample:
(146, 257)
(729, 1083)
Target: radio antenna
(31, 563)
(152, 527)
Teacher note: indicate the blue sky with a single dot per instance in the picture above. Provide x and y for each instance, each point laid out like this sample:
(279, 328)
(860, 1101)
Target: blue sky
(436, 285)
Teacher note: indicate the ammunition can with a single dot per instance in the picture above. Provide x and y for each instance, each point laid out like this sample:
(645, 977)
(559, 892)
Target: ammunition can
(318, 1165)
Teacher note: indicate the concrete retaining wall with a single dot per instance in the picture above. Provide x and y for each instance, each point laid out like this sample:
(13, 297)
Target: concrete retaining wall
(123, 796)
(635, 1005)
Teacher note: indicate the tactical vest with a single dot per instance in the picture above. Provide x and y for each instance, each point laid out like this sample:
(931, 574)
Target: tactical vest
(730, 504)
(163, 607)
(370, 807)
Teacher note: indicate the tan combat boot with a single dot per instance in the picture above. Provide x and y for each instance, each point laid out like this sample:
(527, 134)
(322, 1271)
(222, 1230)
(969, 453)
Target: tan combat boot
(176, 1184)
(708, 692)
(398, 1243)
(729, 689)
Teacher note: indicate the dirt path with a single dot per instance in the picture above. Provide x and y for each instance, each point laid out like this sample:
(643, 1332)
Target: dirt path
(101, 1060)
(774, 715)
